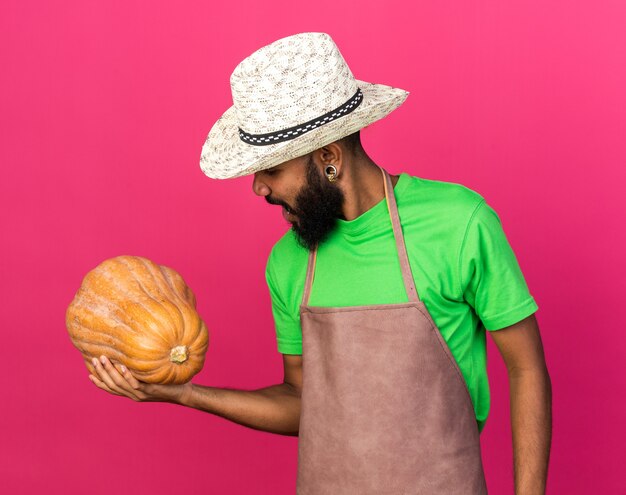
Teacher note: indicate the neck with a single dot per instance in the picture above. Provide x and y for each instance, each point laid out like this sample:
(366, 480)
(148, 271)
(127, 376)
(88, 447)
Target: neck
(362, 185)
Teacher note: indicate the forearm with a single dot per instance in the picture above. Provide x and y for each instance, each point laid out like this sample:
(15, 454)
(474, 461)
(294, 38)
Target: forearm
(531, 425)
(275, 409)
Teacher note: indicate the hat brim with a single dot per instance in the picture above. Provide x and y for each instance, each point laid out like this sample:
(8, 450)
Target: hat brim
(226, 156)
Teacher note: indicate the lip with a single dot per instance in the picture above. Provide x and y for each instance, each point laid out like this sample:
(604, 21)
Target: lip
(287, 216)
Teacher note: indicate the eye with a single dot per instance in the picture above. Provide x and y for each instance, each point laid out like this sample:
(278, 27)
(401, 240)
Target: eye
(271, 172)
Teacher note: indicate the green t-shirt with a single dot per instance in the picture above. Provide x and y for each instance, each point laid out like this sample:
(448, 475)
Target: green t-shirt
(464, 269)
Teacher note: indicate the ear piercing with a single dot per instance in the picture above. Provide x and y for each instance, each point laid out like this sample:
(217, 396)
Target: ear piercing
(332, 174)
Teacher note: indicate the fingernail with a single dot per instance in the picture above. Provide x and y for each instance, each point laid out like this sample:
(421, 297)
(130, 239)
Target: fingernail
(123, 368)
(94, 361)
(103, 359)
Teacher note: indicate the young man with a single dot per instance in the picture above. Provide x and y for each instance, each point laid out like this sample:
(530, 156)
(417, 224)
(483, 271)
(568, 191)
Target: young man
(381, 292)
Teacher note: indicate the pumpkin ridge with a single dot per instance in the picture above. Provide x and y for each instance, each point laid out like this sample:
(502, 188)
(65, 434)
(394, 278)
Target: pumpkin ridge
(83, 336)
(180, 334)
(171, 373)
(196, 361)
(93, 298)
(149, 310)
(163, 280)
(131, 363)
(199, 323)
(122, 346)
(190, 319)
(198, 333)
(198, 348)
(111, 298)
(199, 344)
(155, 295)
(109, 352)
(169, 282)
(87, 303)
(175, 325)
(170, 277)
(109, 277)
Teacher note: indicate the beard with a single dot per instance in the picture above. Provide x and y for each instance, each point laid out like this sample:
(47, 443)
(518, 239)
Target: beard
(317, 207)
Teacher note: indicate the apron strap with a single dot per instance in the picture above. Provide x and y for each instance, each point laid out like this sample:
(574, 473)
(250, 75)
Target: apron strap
(407, 275)
(309, 276)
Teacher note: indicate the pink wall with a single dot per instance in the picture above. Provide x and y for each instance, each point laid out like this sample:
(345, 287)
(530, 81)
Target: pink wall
(105, 106)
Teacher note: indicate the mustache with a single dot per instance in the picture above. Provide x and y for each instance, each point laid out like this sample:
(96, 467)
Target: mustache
(273, 201)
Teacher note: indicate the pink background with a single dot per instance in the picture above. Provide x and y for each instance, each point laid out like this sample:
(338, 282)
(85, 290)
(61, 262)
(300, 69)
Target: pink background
(105, 106)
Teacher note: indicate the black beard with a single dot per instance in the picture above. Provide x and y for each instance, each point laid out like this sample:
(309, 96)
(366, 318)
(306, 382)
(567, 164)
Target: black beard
(317, 206)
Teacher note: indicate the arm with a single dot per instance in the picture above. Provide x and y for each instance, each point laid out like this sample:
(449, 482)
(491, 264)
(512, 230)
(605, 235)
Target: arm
(275, 409)
(531, 403)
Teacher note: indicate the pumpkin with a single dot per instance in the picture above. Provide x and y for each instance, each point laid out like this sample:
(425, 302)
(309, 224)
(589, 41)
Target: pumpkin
(141, 315)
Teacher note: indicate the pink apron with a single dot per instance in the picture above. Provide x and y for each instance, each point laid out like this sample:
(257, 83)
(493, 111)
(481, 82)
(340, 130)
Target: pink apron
(385, 408)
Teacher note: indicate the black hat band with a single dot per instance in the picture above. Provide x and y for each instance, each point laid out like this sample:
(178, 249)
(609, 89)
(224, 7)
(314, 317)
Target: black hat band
(295, 131)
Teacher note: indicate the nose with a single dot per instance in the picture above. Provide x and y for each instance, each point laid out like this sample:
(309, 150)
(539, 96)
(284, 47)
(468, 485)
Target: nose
(259, 187)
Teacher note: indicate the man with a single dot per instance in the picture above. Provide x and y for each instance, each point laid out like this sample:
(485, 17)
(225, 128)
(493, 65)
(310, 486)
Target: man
(381, 292)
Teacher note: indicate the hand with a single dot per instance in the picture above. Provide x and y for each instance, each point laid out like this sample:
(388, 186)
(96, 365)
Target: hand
(118, 380)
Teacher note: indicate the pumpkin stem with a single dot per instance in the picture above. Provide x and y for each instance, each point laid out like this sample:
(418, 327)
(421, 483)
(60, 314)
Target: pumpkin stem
(178, 354)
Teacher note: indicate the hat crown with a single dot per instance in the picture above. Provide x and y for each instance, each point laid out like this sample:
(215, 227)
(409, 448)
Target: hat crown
(290, 81)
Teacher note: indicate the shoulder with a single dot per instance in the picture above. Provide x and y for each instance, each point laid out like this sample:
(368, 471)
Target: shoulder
(439, 199)
(286, 256)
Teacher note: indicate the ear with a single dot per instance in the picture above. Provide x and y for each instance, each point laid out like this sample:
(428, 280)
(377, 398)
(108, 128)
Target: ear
(331, 154)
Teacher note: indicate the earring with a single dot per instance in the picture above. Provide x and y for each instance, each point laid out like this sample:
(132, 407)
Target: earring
(332, 176)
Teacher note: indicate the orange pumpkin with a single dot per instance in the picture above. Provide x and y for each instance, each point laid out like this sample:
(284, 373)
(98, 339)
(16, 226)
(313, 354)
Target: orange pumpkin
(141, 315)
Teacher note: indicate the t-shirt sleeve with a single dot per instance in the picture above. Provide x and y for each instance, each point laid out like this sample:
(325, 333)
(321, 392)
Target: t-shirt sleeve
(490, 276)
(287, 325)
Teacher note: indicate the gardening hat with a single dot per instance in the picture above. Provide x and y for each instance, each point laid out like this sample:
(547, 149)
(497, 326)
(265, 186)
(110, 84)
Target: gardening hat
(291, 97)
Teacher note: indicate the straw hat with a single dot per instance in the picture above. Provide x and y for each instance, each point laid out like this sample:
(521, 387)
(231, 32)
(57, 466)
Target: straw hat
(291, 97)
